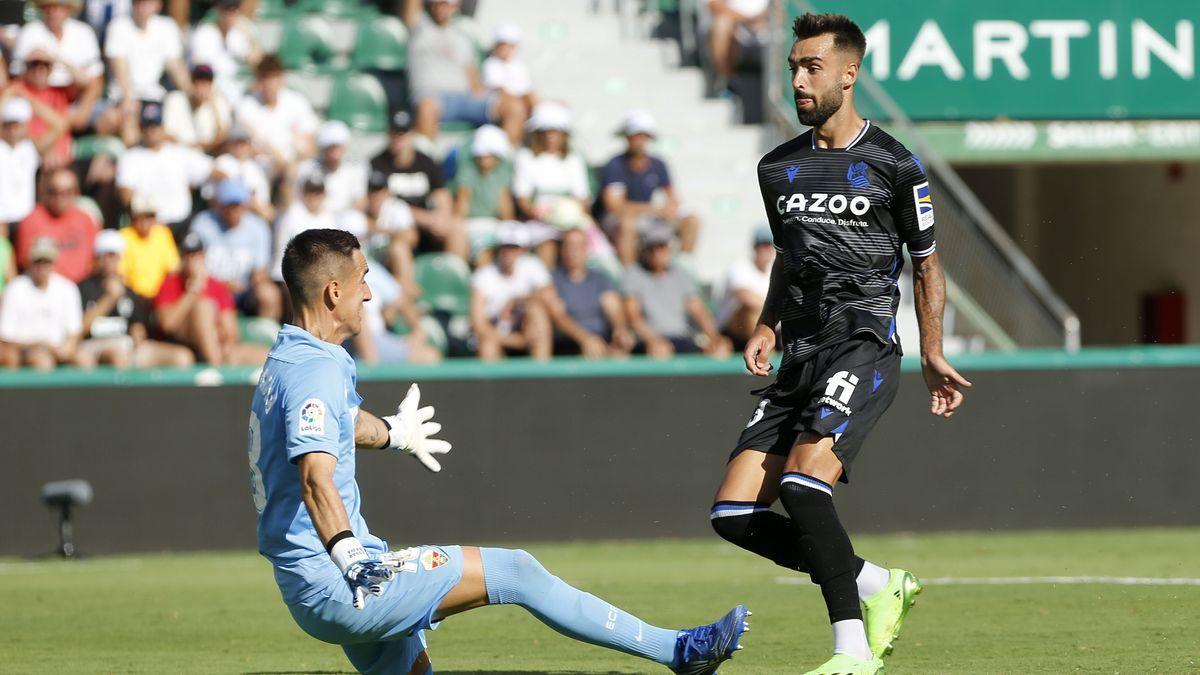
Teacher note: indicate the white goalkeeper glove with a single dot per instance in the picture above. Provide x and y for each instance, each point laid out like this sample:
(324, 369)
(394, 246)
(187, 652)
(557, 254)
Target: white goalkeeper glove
(410, 429)
(364, 572)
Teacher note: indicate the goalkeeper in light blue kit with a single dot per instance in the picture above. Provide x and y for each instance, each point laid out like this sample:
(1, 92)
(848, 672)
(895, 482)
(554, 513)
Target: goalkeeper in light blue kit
(341, 583)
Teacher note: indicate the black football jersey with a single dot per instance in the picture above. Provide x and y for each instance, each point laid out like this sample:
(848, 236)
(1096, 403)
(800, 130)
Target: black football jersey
(839, 217)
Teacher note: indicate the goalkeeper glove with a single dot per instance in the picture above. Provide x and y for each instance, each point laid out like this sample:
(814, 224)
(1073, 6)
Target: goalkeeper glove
(364, 573)
(409, 430)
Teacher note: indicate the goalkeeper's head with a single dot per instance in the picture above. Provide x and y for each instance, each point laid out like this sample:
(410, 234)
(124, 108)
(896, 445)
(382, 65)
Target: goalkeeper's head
(325, 272)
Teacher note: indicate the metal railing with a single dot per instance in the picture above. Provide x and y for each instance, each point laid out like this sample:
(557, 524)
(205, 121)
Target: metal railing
(997, 292)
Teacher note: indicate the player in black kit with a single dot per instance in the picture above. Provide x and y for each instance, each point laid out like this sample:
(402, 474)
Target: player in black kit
(842, 199)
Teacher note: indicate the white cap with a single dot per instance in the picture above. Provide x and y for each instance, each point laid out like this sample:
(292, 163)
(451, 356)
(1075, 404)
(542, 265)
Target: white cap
(489, 140)
(639, 122)
(143, 202)
(109, 241)
(549, 115)
(506, 33)
(16, 110)
(333, 132)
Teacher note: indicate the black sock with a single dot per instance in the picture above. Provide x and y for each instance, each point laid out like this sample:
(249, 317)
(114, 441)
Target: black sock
(822, 539)
(756, 528)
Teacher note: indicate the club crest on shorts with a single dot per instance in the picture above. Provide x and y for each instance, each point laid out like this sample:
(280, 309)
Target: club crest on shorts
(431, 559)
(312, 417)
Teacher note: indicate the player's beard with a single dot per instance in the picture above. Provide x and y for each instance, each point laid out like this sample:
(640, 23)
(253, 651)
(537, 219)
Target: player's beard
(823, 108)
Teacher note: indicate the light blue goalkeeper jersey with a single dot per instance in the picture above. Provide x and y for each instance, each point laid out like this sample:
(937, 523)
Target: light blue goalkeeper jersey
(305, 402)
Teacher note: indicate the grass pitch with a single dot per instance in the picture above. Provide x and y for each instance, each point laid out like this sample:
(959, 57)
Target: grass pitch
(220, 613)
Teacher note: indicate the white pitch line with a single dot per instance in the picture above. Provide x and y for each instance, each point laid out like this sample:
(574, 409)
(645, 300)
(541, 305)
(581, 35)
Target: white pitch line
(1025, 581)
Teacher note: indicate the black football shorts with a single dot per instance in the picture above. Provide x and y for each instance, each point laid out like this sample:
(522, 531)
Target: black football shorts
(840, 391)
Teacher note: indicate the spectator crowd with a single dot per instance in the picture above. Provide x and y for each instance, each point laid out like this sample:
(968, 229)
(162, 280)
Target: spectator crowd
(154, 166)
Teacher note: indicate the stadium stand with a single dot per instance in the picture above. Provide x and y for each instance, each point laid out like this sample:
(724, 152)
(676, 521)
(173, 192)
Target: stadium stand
(349, 61)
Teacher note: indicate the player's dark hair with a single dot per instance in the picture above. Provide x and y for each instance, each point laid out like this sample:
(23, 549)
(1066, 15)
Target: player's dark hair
(846, 33)
(313, 258)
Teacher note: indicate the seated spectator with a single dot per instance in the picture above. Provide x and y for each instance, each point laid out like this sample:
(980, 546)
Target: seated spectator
(42, 119)
(198, 311)
(41, 320)
(140, 48)
(238, 249)
(164, 169)
(59, 219)
(345, 180)
(636, 192)
(548, 171)
(280, 121)
(660, 299)
(19, 161)
(746, 289)
(225, 46)
(150, 252)
(414, 177)
(391, 231)
(444, 77)
(482, 193)
(376, 343)
(586, 308)
(306, 213)
(71, 46)
(508, 300)
(735, 26)
(116, 320)
(200, 118)
(503, 71)
(239, 162)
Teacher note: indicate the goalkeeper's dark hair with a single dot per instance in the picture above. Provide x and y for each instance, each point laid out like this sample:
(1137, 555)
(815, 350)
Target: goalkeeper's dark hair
(846, 33)
(313, 258)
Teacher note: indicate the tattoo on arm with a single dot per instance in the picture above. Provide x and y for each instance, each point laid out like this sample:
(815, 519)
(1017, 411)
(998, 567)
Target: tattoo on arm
(370, 431)
(929, 294)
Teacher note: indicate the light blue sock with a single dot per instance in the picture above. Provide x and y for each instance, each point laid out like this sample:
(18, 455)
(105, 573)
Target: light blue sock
(514, 577)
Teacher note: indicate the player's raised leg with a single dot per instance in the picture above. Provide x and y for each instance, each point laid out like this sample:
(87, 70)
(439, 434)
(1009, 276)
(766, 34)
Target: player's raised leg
(741, 514)
(806, 492)
(495, 576)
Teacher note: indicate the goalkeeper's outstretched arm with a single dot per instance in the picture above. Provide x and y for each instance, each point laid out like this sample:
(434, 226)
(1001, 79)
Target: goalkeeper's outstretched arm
(410, 430)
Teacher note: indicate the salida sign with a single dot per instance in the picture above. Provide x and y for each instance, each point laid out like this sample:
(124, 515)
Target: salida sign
(1031, 59)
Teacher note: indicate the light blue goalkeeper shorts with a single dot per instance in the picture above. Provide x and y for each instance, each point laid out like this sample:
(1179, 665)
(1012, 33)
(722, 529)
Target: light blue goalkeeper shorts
(386, 635)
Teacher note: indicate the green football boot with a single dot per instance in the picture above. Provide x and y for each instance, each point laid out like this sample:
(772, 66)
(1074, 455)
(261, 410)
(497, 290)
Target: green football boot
(844, 664)
(885, 611)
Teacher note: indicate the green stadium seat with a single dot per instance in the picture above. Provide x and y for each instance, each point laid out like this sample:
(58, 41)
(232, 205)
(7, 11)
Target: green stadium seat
(87, 147)
(382, 45)
(446, 282)
(360, 102)
(258, 330)
(273, 9)
(350, 8)
(305, 44)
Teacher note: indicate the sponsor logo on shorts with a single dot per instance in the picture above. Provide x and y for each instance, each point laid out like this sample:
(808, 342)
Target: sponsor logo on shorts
(758, 412)
(838, 390)
(312, 418)
(431, 559)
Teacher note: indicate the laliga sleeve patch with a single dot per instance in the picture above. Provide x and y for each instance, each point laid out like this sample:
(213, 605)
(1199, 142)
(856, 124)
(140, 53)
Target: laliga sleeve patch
(312, 418)
(923, 204)
(431, 559)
